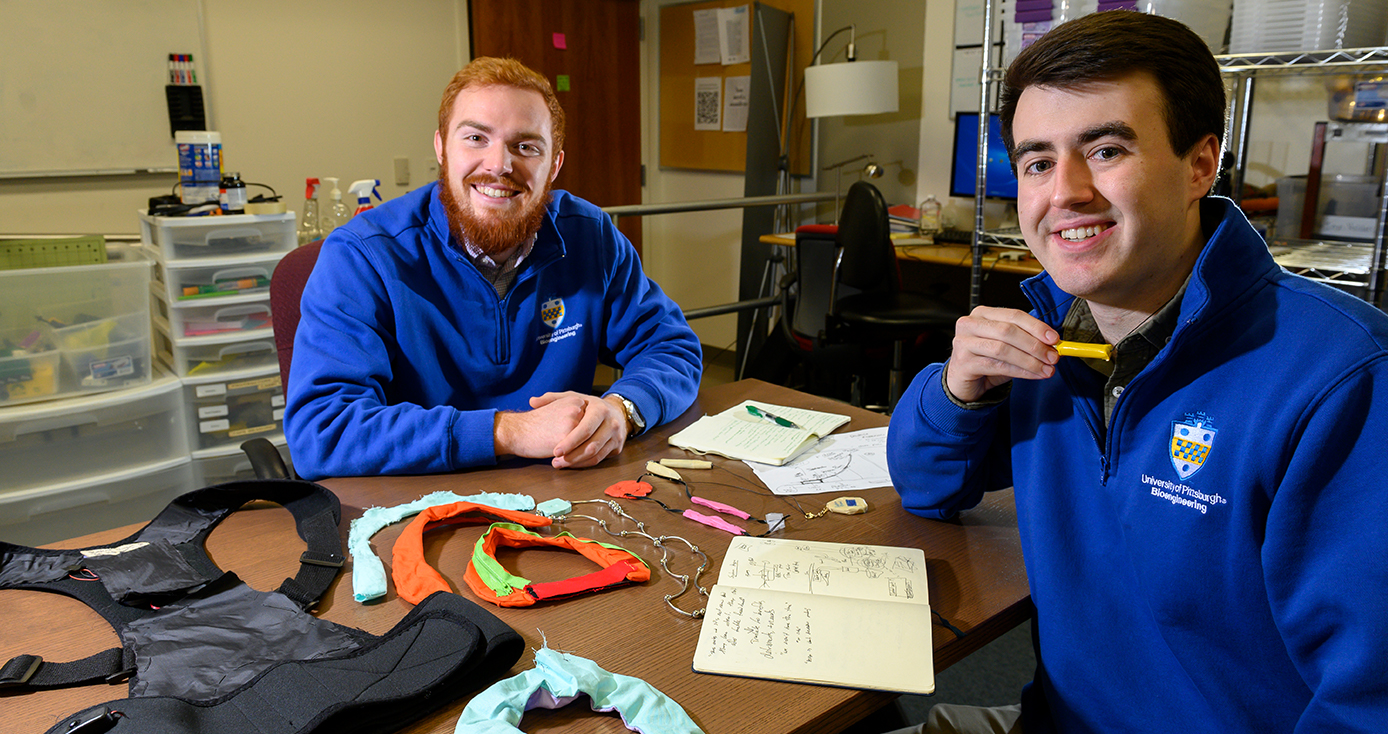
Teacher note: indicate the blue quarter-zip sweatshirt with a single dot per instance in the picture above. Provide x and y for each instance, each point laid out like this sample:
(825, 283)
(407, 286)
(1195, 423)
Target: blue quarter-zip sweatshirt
(1214, 561)
(404, 352)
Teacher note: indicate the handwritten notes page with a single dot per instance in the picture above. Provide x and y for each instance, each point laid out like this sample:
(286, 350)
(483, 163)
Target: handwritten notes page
(737, 434)
(824, 613)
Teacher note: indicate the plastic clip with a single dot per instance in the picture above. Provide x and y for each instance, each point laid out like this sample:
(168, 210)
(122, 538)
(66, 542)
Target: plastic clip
(331, 560)
(19, 670)
(102, 722)
(120, 676)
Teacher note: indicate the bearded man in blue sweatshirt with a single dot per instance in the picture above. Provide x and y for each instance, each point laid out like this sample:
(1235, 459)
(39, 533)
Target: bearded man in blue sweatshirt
(464, 321)
(1203, 518)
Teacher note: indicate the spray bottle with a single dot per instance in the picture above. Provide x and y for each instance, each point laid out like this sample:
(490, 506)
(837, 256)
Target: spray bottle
(310, 228)
(337, 213)
(363, 190)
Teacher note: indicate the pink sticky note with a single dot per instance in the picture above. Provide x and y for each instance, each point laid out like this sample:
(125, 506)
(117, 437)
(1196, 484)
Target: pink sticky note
(559, 41)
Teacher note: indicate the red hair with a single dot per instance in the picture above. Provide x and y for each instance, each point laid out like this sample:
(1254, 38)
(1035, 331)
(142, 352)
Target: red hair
(486, 71)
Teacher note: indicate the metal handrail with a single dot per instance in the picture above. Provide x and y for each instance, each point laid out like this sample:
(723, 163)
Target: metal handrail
(713, 204)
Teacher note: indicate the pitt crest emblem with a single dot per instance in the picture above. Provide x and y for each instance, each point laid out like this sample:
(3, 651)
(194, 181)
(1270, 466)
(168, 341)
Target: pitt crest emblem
(1191, 441)
(552, 312)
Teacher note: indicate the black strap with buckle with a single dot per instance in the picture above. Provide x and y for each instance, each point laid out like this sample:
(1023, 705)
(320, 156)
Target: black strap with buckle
(19, 670)
(32, 671)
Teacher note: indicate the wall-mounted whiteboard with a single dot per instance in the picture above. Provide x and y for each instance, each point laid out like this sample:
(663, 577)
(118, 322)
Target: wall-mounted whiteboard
(82, 84)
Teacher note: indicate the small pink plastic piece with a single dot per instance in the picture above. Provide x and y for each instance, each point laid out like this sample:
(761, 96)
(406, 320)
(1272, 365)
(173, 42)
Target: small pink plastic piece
(719, 506)
(714, 522)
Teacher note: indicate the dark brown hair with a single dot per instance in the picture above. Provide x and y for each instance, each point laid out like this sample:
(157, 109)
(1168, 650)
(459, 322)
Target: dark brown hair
(1111, 44)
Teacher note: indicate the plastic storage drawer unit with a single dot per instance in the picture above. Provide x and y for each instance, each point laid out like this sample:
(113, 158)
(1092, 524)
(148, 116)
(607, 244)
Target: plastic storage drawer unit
(214, 277)
(228, 315)
(229, 408)
(58, 512)
(206, 356)
(184, 238)
(69, 440)
(94, 317)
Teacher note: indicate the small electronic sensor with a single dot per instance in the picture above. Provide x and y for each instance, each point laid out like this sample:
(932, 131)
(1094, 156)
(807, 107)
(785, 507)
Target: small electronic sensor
(848, 506)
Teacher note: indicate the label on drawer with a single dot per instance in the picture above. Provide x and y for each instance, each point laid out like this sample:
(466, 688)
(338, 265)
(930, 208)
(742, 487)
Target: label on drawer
(253, 430)
(277, 401)
(263, 383)
(112, 368)
(1349, 228)
(210, 391)
(278, 415)
(214, 426)
(213, 411)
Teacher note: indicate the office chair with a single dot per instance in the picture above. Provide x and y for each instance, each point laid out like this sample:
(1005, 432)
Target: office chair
(864, 308)
(831, 369)
(286, 287)
(879, 310)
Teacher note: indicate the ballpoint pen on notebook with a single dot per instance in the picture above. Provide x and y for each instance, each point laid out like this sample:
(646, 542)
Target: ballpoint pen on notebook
(769, 416)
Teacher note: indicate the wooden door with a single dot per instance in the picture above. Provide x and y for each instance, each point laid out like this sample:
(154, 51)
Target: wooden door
(592, 47)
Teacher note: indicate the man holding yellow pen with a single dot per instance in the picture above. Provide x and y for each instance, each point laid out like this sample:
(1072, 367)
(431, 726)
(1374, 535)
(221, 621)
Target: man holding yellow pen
(1200, 502)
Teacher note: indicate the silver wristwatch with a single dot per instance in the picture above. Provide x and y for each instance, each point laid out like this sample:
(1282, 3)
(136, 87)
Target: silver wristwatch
(633, 415)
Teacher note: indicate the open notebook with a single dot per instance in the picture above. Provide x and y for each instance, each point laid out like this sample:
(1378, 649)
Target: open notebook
(740, 434)
(836, 614)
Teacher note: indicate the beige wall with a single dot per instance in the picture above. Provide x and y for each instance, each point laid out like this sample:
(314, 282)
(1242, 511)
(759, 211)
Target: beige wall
(316, 88)
(695, 256)
(308, 88)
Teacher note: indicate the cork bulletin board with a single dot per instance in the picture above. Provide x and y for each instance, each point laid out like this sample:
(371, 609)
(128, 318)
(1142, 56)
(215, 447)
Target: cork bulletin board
(682, 146)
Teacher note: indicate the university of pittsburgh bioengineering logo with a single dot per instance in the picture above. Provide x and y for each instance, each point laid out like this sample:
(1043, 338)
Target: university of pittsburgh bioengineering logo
(552, 312)
(1192, 438)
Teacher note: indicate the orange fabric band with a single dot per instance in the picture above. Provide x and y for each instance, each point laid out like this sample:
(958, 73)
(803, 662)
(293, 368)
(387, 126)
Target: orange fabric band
(414, 578)
(619, 567)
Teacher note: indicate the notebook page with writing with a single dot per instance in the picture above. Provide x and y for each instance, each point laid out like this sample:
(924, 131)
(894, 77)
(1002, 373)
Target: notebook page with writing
(821, 613)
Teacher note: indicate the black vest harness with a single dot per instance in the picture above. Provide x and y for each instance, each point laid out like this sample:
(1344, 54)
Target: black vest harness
(205, 653)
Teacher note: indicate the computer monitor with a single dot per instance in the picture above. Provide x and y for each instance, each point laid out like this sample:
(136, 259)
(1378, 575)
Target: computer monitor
(1001, 184)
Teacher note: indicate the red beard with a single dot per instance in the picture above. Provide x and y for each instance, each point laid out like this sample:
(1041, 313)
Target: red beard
(492, 235)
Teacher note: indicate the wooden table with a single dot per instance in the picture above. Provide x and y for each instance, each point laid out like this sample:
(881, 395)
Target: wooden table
(977, 582)
(924, 250)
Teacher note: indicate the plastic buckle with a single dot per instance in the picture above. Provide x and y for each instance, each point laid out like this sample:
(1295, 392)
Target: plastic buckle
(19, 670)
(120, 676)
(331, 560)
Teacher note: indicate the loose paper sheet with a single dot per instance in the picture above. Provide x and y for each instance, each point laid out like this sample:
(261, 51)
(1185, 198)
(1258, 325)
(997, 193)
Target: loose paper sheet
(843, 462)
(735, 35)
(736, 95)
(706, 42)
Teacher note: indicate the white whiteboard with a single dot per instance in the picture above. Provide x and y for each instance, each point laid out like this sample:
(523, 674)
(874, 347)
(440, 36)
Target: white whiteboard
(82, 84)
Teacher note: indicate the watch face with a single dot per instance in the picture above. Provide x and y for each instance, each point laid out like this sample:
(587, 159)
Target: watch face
(634, 414)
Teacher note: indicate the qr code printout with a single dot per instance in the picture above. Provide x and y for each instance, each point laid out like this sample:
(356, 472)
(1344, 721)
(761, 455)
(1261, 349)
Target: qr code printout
(706, 108)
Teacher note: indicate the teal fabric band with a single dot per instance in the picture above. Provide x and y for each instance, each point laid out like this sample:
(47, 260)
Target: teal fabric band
(559, 678)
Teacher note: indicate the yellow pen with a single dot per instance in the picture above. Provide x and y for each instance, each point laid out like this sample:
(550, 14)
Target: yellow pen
(1080, 349)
